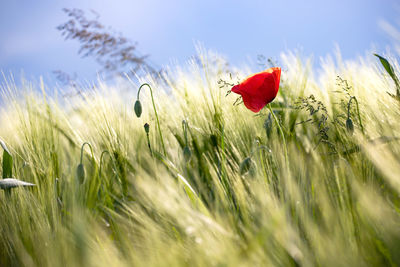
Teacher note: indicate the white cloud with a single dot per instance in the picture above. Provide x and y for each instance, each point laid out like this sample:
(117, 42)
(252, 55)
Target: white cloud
(392, 31)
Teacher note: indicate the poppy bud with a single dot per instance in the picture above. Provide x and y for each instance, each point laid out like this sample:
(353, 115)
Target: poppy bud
(245, 166)
(147, 128)
(187, 154)
(138, 108)
(80, 173)
(214, 140)
(349, 126)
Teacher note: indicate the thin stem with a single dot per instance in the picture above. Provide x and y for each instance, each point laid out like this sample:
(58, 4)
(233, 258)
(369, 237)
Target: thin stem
(259, 149)
(101, 160)
(91, 150)
(112, 160)
(155, 112)
(101, 164)
(56, 190)
(358, 112)
(184, 128)
(282, 134)
(348, 107)
(282, 191)
(148, 144)
(223, 147)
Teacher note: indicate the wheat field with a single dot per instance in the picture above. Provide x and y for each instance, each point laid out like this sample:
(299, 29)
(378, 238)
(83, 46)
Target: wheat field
(229, 189)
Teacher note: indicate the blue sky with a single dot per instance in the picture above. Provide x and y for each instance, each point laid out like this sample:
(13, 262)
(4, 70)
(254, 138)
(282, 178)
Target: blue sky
(168, 30)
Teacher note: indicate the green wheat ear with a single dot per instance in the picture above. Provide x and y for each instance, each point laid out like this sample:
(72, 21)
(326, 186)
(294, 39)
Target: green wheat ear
(138, 111)
(7, 161)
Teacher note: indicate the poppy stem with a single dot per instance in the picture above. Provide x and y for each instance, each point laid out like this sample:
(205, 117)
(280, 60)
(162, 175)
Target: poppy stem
(282, 134)
(184, 128)
(101, 164)
(82, 150)
(155, 112)
(358, 112)
(148, 144)
(260, 148)
(112, 160)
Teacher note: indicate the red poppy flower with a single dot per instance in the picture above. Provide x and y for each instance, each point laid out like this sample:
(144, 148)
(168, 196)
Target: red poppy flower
(259, 89)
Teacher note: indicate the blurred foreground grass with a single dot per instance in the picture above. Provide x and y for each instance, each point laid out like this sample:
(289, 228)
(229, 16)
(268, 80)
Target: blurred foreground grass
(223, 195)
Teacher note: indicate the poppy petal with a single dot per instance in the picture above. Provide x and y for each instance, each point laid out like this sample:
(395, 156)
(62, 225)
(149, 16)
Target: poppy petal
(259, 89)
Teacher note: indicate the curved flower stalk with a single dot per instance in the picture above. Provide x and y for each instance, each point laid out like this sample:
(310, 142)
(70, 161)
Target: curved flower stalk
(100, 169)
(281, 132)
(138, 112)
(80, 170)
(187, 154)
(349, 122)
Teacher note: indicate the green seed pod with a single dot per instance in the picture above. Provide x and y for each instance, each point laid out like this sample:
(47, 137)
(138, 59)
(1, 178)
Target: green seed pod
(214, 140)
(349, 126)
(80, 173)
(138, 108)
(245, 166)
(187, 154)
(147, 128)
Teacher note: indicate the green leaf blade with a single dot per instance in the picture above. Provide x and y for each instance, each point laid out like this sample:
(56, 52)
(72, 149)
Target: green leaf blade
(7, 161)
(389, 69)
